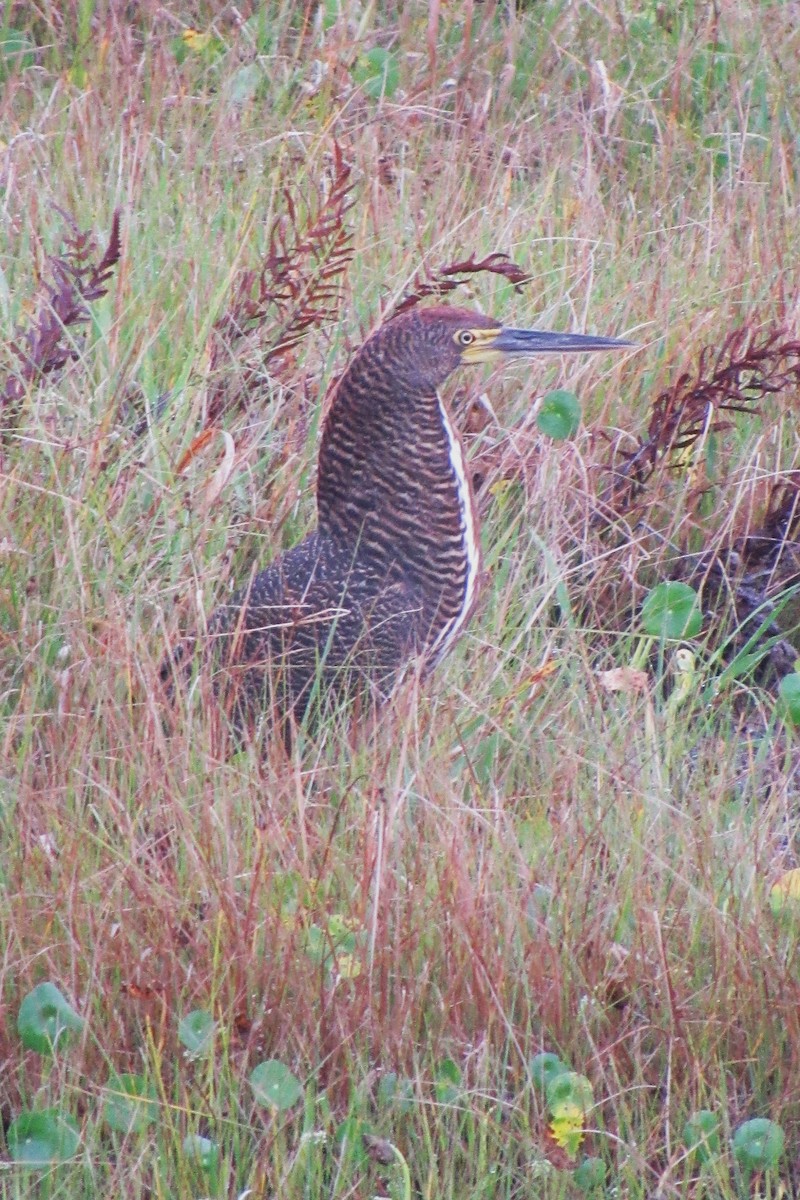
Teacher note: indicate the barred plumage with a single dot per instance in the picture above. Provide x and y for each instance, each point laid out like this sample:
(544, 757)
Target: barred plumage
(391, 573)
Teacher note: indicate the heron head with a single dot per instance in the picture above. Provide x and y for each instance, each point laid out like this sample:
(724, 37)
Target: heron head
(432, 342)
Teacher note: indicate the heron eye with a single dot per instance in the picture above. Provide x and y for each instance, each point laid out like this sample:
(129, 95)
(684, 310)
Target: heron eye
(465, 337)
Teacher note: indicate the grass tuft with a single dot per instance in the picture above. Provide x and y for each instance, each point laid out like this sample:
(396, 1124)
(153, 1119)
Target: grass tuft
(566, 842)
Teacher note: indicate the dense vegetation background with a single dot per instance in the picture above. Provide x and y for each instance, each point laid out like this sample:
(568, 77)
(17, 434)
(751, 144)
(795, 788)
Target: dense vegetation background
(576, 838)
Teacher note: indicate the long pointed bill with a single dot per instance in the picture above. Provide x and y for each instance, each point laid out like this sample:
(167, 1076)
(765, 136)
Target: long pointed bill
(540, 341)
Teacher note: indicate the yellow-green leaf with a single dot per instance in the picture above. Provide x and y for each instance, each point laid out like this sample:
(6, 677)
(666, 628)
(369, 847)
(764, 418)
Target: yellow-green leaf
(785, 894)
(566, 1127)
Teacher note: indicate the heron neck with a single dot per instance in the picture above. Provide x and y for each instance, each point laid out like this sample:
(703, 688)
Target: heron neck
(392, 483)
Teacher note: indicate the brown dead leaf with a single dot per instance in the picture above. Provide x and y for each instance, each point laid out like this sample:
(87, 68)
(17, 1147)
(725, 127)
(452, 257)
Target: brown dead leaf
(199, 443)
(623, 679)
(223, 472)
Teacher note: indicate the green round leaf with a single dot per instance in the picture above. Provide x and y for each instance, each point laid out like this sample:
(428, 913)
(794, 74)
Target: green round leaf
(758, 1144)
(331, 11)
(201, 1150)
(317, 946)
(789, 692)
(179, 49)
(377, 73)
(39, 1138)
(571, 1089)
(16, 52)
(387, 1087)
(642, 28)
(671, 610)
(544, 1067)
(395, 1090)
(196, 1031)
(131, 1105)
(274, 1084)
(447, 1081)
(559, 415)
(244, 83)
(349, 1136)
(590, 1174)
(44, 1019)
(701, 1134)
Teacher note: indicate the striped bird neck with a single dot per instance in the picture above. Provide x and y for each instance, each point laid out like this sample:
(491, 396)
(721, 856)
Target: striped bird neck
(392, 483)
(470, 539)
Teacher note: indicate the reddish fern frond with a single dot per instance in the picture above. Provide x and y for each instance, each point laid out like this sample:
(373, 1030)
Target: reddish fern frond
(734, 378)
(76, 281)
(496, 264)
(296, 287)
(449, 277)
(298, 282)
(423, 289)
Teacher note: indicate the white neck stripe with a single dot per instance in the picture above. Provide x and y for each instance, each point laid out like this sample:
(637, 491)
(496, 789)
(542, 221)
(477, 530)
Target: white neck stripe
(469, 535)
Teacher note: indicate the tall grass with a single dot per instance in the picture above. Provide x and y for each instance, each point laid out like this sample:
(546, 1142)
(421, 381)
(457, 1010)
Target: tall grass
(515, 859)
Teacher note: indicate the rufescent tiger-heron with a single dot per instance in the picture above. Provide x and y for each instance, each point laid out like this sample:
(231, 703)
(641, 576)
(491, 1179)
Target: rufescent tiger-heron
(391, 574)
